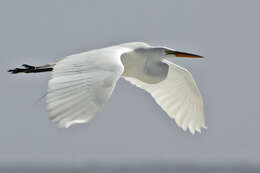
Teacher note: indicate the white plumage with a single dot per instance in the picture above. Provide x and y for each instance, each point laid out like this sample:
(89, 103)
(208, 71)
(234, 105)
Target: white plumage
(82, 83)
(178, 96)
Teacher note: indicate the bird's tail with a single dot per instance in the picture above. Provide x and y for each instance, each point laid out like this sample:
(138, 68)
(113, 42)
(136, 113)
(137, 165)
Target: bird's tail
(32, 69)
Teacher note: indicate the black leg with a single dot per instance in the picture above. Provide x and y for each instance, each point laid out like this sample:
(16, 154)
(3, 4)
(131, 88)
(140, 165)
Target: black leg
(30, 69)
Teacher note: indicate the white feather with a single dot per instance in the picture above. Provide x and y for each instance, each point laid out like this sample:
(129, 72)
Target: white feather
(81, 84)
(178, 96)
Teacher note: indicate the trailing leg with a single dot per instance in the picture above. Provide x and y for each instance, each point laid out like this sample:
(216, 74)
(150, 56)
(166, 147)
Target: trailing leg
(32, 69)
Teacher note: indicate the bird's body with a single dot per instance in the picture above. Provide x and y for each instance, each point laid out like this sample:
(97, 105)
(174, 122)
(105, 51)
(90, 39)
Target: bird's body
(143, 65)
(82, 83)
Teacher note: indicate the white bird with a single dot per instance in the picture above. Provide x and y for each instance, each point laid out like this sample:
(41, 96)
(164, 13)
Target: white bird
(82, 83)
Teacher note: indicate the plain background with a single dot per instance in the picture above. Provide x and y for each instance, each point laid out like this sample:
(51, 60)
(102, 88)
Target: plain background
(131, 125)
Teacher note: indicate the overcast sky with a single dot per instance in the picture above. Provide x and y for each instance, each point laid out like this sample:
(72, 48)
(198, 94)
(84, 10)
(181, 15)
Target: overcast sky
(132, 125)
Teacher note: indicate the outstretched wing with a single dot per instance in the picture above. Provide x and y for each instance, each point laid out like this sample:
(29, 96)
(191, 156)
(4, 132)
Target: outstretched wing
(81, 84)
(178, 96)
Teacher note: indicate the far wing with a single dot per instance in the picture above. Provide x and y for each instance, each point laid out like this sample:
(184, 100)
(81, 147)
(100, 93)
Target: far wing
(178, 96)
(80, 86)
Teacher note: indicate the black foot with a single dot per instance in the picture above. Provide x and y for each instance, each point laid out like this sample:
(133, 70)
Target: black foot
(22, 70)
(29, 66)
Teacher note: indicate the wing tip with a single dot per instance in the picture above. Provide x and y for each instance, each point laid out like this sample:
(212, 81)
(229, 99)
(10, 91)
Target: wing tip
(193, 130)
(67, 123)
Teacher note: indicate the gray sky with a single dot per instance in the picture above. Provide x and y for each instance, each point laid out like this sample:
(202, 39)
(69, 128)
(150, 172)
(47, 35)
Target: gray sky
(131, 125)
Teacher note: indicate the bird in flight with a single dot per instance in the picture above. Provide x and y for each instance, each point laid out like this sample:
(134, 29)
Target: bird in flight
(82, 83)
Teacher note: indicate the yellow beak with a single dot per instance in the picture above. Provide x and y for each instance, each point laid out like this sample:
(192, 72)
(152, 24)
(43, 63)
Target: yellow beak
(182, 54)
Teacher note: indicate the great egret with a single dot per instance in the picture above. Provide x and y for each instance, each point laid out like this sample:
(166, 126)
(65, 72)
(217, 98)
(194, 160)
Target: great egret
(82, 83)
